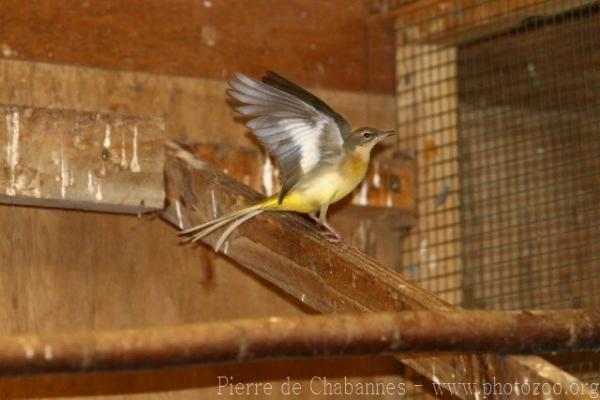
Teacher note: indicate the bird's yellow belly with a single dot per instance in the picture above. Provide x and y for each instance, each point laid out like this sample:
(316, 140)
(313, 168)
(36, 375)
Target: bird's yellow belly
(323, 189)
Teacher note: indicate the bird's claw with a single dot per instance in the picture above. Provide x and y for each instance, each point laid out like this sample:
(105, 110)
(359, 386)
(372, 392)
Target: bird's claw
(331, 236)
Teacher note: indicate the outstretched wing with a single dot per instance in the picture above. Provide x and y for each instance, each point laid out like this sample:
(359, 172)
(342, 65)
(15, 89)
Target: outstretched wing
(278, 81)
(289, 123)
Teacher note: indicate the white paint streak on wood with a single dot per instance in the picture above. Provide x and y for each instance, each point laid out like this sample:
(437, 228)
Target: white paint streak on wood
(123, 151)
(106, 142)
(48, 352)
(376, 176)
(29, 351)
(363, 194)
(209, 35)
(267, 176)
(90, 182)
(7, 51)
(64, 171)
(13, 126)
(66, 177)
(21, 182)
(135, 164)
(99, 195)
(388, 200)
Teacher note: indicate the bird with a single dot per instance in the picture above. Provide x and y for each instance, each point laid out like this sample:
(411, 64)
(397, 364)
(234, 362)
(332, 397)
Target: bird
(321, 159)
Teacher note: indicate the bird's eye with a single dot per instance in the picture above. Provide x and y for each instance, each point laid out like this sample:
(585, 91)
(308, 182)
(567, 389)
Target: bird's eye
(368, 135)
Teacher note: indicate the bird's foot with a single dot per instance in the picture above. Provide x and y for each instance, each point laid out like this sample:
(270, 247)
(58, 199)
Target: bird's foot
(327, 230)
(332, 237)
(331, 234)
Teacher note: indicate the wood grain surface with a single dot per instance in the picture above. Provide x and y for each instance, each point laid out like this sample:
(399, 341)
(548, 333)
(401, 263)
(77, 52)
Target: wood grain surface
(79, 160)
(325, 44)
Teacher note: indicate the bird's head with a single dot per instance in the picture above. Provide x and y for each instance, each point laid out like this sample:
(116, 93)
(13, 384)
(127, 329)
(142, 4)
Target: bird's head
(367, 137)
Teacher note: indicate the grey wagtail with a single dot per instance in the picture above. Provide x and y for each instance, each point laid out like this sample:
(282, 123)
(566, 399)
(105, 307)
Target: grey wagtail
(320, 158)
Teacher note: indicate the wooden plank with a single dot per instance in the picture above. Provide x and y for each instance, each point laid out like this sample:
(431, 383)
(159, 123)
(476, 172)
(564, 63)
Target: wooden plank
(322, 44)
(87, 161)
(194, 109)
(387, 190)
(455, 21)
(288, 252)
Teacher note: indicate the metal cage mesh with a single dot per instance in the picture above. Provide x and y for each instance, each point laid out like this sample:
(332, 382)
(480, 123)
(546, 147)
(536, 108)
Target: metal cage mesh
(502, 106)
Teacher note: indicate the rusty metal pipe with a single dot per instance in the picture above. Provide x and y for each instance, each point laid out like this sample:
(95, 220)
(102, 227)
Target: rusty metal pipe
(310, 336)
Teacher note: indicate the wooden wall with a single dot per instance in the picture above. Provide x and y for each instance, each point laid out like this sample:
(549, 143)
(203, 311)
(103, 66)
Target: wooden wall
(319, 43)
(64, 271)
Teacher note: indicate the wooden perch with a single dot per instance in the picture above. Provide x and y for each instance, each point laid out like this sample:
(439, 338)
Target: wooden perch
(288, 251)
(259, 339)
(81, 160)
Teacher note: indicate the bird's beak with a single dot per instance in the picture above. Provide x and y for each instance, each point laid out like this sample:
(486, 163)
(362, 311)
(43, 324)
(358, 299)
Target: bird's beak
(388, 134)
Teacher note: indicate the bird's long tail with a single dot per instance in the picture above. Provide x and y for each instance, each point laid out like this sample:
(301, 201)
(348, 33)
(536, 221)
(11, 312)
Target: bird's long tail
(234, 220)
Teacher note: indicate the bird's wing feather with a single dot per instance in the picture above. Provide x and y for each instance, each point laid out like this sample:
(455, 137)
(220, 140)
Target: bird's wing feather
(296, 133)
(278, 81)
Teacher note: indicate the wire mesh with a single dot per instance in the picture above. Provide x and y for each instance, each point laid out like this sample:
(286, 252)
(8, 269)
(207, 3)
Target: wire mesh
(501, 102)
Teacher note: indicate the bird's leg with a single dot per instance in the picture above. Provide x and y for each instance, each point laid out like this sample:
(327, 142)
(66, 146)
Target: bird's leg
(331, 234)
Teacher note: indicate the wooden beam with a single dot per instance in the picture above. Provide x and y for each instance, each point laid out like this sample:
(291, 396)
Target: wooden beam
(319, 44)
(81, 160)
(455, 21)
(288, 251)
(275, 338)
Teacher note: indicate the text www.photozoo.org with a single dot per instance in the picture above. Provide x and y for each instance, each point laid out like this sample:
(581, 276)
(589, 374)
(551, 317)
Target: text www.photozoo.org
(323, 386)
